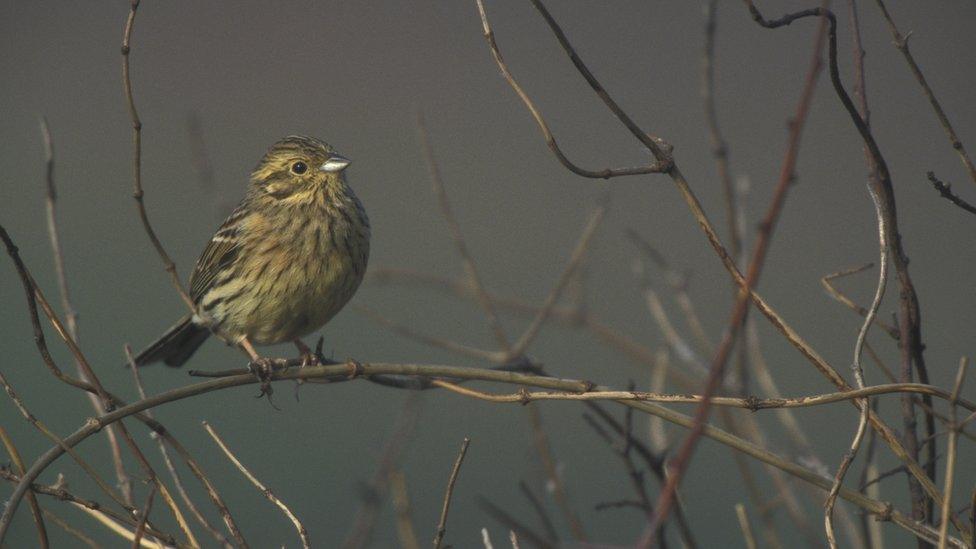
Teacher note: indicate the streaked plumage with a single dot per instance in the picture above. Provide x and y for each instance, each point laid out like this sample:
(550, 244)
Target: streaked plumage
(283, 263)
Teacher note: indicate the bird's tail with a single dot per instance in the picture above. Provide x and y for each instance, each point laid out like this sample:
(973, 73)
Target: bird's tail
(176, 346)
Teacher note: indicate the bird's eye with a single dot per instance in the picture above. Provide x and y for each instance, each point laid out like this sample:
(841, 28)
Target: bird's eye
(298, 168)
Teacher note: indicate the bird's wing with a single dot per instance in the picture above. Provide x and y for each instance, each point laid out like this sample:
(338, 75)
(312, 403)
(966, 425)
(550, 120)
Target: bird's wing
(220, 253)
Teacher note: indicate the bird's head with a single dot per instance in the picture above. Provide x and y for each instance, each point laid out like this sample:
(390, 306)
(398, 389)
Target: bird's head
(296, 165)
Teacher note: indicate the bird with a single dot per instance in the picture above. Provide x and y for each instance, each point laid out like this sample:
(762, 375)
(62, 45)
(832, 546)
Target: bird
(284, 263)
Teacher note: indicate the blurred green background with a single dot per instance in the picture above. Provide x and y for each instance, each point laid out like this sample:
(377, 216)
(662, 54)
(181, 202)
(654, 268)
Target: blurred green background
(356, 74)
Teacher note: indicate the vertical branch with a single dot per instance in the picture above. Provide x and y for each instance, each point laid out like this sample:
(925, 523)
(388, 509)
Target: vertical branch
(747, 535)
(861, 94)
(137, 192)
(143, 518)
(720, 149)
(442, 523)
(950, 471)
(401, 505)
(544, 452)
(70, 315)
(455, 228)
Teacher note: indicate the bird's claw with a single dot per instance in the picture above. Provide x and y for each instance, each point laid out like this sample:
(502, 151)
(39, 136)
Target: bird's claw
(263, 369)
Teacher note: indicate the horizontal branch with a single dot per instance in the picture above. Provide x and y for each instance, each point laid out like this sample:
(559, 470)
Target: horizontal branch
(352, 370)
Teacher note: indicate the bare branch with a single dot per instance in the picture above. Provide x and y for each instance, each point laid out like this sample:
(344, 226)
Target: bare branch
(901, 43)
(442, 523)
(137, 192)
(945, 190)
(31, 499)
(70, 315)
(299, 527)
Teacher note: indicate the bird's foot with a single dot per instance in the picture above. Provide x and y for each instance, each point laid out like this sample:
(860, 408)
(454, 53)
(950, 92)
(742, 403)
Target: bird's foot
(263, 369)
(308, 356)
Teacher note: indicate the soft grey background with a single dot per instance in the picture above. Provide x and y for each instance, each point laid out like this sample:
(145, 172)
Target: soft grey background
(355, 74)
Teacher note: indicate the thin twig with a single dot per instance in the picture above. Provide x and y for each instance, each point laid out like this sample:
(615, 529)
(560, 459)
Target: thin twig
(720, 148)
(143, 517)
(462, 248)
(872, 312)
(950, 471)
(540, 510)
(78, 534)
(167, 460)
(656, 167)
(442, 523)
(96, 509)
(827, 282)
(513, 524)
(401, 505)
(389, 460)
(901, 43)
(31, 499)
(70, 315)
(579, 252)
(299, 527)
(748, 403)
(747, 535)
(945, 190)
(137, 192)
(543, 449)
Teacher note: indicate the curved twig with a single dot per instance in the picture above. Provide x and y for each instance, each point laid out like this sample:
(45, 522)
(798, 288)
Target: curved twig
(299, 527)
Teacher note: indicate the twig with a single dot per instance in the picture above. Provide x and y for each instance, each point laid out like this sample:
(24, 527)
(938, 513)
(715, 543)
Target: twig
(78, 534)
(827, 282)
(720, 149)
(579, 252)
(137, 192)
(442, 523)
(401, 434)
(167, 460)
(748, 403)
(409, 332)
(537, 506)
(459, 243)
(31, 499)
(513, 524)
(656, 167)
(47, 432)
(143, 517)
(747, 535)
(96, 509)
(945, 190)
(299, 527)
(901, 43)
(70, 315)
(872, 312)
(543, 449)
(951, 453)
(655, 464)
(401, 505)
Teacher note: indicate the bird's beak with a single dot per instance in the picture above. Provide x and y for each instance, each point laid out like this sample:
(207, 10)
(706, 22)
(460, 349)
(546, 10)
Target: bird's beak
(335, 163)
